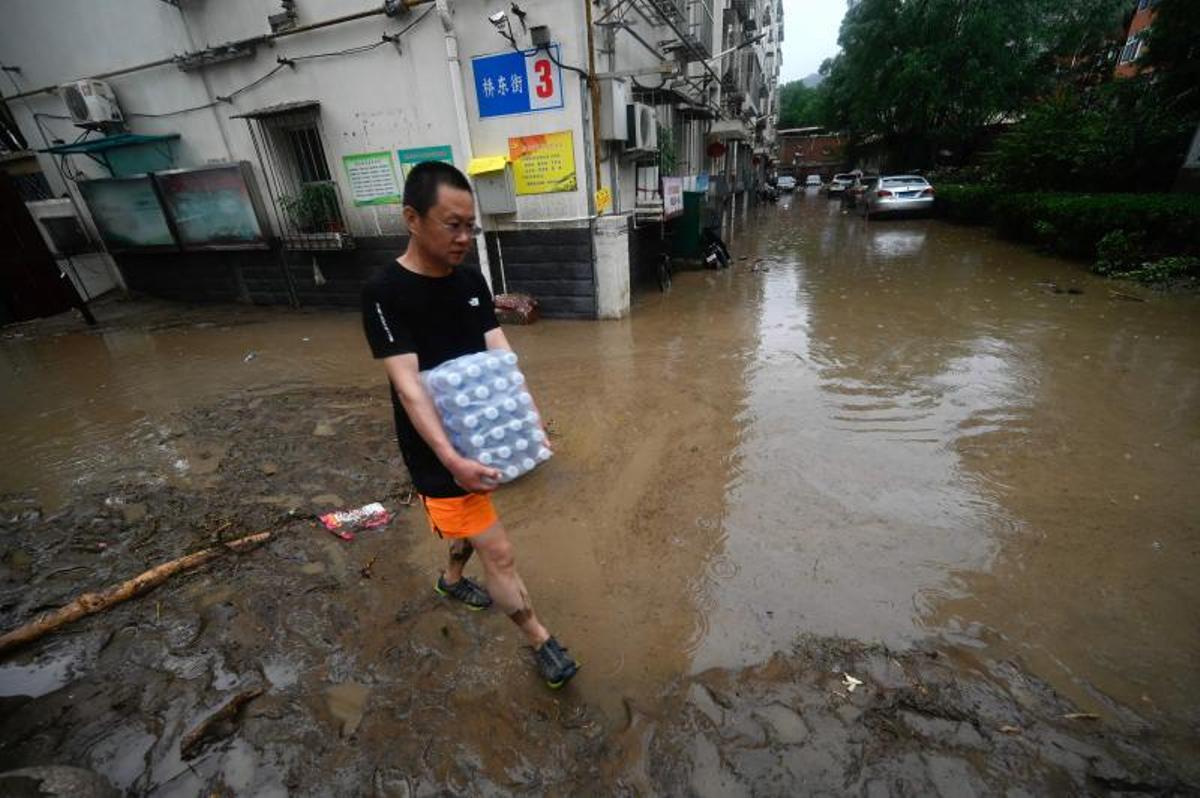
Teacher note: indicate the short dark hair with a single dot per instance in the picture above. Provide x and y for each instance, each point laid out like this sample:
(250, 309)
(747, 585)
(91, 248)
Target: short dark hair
(421, 185)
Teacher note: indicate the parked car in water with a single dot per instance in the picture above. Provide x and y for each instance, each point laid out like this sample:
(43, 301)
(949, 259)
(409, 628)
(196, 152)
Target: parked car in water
(839, 184)
(812, 181)
(854, 192)
(786, 183)
(897, 194)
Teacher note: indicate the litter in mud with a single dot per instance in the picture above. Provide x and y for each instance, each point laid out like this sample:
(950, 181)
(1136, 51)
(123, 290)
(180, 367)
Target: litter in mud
(344, 523)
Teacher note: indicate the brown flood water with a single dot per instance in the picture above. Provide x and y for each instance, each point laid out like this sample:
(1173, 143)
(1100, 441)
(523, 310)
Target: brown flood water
(886, 431)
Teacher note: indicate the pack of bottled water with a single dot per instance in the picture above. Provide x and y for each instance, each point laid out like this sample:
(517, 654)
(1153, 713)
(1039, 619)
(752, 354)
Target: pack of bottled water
(488, 413)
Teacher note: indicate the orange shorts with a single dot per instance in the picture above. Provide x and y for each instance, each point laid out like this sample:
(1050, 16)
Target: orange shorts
(460, 516)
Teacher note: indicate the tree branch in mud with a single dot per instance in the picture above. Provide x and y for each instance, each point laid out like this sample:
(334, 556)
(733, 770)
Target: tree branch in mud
(208, 728)
(91, 603)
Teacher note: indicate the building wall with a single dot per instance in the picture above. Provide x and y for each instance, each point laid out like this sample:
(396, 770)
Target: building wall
(1143, 18)
(382, 99)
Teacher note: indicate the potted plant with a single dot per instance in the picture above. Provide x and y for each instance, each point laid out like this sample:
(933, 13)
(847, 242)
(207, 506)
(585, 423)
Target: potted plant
(314, 210)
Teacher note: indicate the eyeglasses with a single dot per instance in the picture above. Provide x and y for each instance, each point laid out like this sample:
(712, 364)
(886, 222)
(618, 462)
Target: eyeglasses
(457, 229)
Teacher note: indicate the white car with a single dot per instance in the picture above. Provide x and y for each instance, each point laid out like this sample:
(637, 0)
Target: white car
(840, 183)
(897, 194)
(812, 181)
(786, 183)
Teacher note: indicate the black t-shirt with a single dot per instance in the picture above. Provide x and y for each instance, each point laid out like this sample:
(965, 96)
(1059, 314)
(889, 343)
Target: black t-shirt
(438, 319)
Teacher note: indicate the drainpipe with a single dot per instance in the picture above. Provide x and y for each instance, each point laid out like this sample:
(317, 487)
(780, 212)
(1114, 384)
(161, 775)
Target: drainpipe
(464, 131)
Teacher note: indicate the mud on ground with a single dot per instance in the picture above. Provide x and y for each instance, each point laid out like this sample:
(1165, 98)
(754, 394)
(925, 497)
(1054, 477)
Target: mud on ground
(370, 685)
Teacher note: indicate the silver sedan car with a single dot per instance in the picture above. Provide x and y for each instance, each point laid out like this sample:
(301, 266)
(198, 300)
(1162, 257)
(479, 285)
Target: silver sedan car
(896, 194)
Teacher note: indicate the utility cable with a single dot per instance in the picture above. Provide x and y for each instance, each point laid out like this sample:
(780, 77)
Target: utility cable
(283, 61)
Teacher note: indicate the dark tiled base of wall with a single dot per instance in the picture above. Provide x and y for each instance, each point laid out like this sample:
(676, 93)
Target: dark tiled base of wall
(555, 266)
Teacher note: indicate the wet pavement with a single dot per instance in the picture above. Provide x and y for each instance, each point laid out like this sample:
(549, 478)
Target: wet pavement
(901, 433)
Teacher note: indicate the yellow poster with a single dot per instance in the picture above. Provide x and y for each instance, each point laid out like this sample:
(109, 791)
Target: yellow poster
(543, 164)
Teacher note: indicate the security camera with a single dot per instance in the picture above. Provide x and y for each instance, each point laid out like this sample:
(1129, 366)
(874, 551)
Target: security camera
(500, 20)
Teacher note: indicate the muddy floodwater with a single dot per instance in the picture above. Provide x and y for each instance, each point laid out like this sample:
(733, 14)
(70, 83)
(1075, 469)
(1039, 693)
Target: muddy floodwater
(961, 472)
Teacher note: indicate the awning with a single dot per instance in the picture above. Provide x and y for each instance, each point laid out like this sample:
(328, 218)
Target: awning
(98, 149)
(279, 109)
(487, 164)
(98, 146)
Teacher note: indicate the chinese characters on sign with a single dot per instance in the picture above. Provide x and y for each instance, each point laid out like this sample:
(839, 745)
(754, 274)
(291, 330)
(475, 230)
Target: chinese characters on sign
(543, 164)
(672, 194)
(517, 83)
(411, 157)
(372, 178)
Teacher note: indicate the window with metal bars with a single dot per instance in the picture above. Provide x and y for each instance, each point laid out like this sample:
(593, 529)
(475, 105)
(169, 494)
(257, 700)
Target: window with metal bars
(304, 195)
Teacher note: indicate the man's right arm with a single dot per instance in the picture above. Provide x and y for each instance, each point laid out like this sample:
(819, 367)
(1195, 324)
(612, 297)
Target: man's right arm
(406, 382)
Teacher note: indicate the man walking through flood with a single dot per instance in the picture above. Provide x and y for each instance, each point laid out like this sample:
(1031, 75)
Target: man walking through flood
(419, 312)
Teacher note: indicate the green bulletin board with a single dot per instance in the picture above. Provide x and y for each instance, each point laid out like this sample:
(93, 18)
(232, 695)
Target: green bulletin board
(372, 178)
(128, 213)
(411, 157)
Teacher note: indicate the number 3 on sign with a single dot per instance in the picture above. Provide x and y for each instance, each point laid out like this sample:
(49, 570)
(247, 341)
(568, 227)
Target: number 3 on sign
(545, 80)
(545, 83)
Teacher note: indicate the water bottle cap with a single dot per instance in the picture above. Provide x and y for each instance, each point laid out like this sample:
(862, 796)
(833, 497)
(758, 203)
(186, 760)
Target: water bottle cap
(462, 400)
(492, 363)
(517, 378)
(528, 463)
(512, 472)
(498, 433)
(491, 413)
(510, 405)
(485, 458)
(504, 452)
(509, 358)
(454, 379)
(478, 440)
(525, 399)
(482, 392)
(521, 444)
(469, 421)
(500, 384)
(515, 425)
(472, 371)
(543, 453)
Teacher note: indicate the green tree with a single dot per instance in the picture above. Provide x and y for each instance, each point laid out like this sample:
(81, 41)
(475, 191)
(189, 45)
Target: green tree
(799, 105)
(928, 76)
(1123, 136)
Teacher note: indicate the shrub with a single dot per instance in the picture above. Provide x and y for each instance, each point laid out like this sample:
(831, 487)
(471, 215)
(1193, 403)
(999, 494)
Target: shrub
(968, 204)
(1165, 270)
(1119, 252)
(1073, 225)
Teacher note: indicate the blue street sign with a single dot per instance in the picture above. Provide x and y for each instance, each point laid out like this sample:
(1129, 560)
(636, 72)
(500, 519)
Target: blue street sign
(517, 82)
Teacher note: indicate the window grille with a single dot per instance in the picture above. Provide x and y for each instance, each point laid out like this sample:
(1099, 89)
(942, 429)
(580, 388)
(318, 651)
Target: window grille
(304, 196)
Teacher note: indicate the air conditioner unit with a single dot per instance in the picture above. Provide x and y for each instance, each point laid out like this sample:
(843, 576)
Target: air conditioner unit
(91, 103)
(643, 128)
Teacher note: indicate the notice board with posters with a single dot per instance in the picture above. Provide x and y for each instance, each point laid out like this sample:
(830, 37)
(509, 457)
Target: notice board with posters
(415, 155)
(128, 213)
(543, 163)
(372, 178)
(214, 206)
(672, 194)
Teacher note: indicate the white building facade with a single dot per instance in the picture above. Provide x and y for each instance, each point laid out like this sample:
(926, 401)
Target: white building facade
(321, 105)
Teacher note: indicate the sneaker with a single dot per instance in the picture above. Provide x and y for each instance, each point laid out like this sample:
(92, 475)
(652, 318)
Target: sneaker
(554, 664)
(465, 590)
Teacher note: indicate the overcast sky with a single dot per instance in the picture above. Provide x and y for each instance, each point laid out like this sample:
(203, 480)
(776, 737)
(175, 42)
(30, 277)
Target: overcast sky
(810, 30)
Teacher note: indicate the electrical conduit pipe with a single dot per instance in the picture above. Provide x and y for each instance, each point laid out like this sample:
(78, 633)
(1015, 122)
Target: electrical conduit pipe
(454, 65)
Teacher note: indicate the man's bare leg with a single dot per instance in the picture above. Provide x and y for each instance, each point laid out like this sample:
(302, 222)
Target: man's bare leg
(504, 583)
(460, 552)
